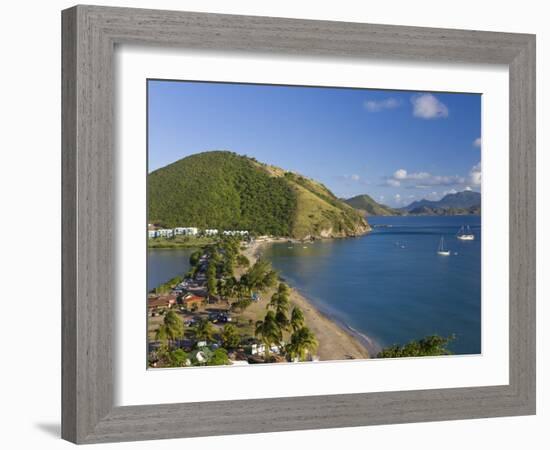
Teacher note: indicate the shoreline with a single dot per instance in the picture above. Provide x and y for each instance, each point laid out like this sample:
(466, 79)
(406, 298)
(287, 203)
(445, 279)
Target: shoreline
(337, 340)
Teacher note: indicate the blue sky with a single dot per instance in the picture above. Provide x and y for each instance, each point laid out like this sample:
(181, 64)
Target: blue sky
(397, 146)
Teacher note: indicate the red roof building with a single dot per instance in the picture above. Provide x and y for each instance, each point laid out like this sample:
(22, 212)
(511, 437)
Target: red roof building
(191, 299)
(161, 301)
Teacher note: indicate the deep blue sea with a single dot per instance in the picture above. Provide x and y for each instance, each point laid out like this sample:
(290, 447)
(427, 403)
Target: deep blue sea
(390, 284)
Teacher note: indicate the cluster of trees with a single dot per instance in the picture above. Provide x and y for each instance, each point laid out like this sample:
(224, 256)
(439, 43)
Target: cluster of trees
(228, 191)
(428, 346)
(172, 329)
(220, 280)
(180, 358)
(257, 278)
(276, 321)
(222, 258)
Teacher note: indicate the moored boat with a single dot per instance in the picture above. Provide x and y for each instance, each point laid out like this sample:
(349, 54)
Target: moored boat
(465, 234)
(441, 249)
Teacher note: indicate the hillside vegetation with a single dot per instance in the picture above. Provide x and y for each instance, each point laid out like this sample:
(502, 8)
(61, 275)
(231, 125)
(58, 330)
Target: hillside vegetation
(224, 190)
(369, 207)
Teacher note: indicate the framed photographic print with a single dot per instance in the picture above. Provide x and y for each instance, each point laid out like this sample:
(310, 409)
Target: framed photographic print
(255, 209)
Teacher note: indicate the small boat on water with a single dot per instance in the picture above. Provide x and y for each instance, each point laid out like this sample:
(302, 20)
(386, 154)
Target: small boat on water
(441, 249)
(465, 234)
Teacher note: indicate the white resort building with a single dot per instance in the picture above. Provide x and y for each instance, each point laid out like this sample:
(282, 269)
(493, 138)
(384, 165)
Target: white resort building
(165, 232)
(186, 231)
(235, 233)
(190, 231)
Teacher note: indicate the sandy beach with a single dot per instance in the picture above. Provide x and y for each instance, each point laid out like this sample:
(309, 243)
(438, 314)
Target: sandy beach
(335, 342)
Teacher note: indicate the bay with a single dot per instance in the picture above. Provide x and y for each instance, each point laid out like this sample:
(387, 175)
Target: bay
(391, 284)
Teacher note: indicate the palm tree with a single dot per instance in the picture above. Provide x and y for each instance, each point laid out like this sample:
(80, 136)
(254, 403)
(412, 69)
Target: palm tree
(297, 319)
(282, 319)
(283, 288)
(260, 276)
(173, 326)
(279, 300)
(161, 335)
(302, 341)
(204, 330)
(230, 336)
(269, 331)
(242, 289)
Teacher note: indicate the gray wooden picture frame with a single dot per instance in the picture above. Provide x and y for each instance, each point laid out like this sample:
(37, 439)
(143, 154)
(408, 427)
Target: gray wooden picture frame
(90, 34)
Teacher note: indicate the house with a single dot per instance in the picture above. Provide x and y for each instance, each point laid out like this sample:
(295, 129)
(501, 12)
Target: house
(165, 232)
(186, 231)
(259, 349)
(235, 233)
(152, 234)
(161, 301)
(211, 232)
(191, 300)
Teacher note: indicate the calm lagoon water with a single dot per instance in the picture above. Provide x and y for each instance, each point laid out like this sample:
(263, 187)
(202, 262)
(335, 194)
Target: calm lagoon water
(164, 264)
(390, 284)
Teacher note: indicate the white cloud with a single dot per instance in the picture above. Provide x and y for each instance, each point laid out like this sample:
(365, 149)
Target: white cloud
(355, 177)
(411, 180)
(450, 191)
(475, 174)
(393, 183)
(400, 174)
(427, 106)
(477, 142)
(467, 188)
(381, 105)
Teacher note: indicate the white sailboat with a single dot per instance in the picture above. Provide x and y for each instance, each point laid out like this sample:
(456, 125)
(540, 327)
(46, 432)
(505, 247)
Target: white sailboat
(441, 249)
(465, 234)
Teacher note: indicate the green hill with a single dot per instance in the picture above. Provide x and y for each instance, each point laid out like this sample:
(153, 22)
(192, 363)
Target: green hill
(227, 191)
(367, 205)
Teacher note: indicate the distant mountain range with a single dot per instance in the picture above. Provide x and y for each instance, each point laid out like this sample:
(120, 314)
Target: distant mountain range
(434, 211)
(460, 203)
(464, 200)
(227, 191)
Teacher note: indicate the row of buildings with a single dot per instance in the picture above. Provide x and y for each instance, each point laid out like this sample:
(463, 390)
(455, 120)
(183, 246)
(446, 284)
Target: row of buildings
(153, 232)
